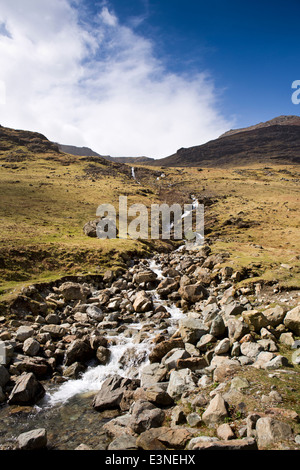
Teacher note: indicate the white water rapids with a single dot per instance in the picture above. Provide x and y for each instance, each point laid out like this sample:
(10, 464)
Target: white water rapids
(128, 354)
(127, 357)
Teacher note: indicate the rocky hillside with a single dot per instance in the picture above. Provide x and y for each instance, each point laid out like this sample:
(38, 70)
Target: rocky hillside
(87, 152)
(81, 151)
(19, 142)
(278, 121)
(277, 141)
(211, 365)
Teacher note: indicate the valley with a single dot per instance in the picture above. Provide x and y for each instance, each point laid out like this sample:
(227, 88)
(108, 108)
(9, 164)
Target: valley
(165, 347)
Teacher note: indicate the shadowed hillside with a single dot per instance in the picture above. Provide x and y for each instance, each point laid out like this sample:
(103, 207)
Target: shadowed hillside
(267, 144)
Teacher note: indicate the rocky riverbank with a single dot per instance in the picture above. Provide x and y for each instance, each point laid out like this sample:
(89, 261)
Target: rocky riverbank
(182, 357)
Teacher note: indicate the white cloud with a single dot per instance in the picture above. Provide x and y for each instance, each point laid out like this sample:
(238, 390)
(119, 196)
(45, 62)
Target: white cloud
(98, 84)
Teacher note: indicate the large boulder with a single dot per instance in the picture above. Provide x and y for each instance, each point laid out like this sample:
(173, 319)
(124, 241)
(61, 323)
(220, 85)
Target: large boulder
(24, 332)
(78, 351)
(55, 331)
(144, 276)
(90, 228)
(31, 347)
(191, 329)
(111, 392)
(163, 438)
(180, 381)
(270, 431)
(225, 368)
(20, 363)
(192, 293)
(162, 348)
(95, 313)
(275, 315)
(229, 444)
(73, 291)
(292, 320)
(153, 373)
(27, 391)
(33, 440)
(145, 415)
(236, 329)
(166, 287)
(142, 302)
(216, 411)
(255, 319)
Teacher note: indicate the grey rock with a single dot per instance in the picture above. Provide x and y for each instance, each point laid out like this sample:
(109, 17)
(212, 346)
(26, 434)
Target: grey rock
(193, 419)
(31, 347)
(251, 349)
(53, 319)
(223, 346)
(270, 431)
(217, 326)
(216, 411)
(55, 331)
(193, 293)
(73, 370)
(275, 315)
(83, 447)
(225, 432)
(33, 440)
(170, 360)
(73, 291)
(90, 228)
(233, 308)
(201, 439)
(153, 373)
(124, 442)
(142, 303)
(95, 313)
(234, 444)
(180, 381)
(236, 329)
(78, 351)
(103, 355)
(276, 362)
(111, 393)
(292, 320)
(191, 329)
(27, 391)
(24, 332)
(178, 416)
(206, 342)
(144, 276)
(144, 416)
(296, 357)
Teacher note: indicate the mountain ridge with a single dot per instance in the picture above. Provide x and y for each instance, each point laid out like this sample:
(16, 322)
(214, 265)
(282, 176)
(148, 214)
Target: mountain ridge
(275, 141)
(283, 120)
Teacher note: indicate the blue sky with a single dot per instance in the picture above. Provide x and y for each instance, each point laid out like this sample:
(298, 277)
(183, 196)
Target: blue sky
(251, 49)
(146, 77)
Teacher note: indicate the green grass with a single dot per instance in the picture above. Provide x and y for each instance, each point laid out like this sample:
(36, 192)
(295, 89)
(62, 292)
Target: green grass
(46, 199)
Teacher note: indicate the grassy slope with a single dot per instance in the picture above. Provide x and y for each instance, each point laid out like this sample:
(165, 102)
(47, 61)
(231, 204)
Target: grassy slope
(269, 200)
(44, 206)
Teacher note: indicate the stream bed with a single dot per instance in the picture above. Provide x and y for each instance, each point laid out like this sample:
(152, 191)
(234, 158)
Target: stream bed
(66, 410)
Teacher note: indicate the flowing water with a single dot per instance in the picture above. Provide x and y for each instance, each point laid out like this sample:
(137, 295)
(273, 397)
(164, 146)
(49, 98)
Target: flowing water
(66, 410)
